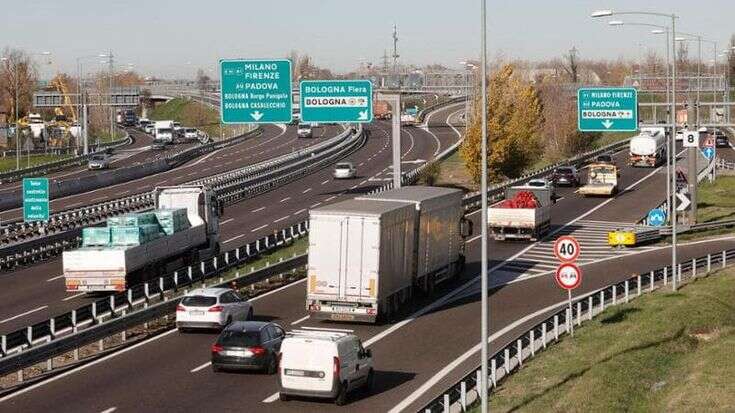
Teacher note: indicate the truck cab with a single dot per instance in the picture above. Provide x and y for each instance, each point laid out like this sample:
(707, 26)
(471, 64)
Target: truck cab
(602, 180)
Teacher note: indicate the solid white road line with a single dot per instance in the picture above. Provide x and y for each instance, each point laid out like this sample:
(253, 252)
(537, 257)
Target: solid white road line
(233, 238)
(286, 199)
(258, 210)
(281, 219)
(316, 205)
(55, 278)
(226, 221)
(259, 228)
(306, 190)
(24, 314)
(299, 211)
(71, 297)
(110, 410)
(325, 182)
(300, 320)
(202, 367)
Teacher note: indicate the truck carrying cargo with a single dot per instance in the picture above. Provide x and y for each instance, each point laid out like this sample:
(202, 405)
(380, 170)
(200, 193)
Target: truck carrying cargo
(602, 180)
(368, 256)
(524, 214)
(648, 148)
(140, 247)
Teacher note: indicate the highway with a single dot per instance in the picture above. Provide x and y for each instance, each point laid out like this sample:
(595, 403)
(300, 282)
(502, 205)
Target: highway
(38, 292)
(408, 352)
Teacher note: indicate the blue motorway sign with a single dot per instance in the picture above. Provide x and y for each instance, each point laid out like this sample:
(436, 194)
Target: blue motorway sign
(255, 91)
(35, 199)
(657, 217)
(708, 152)
(607, 109)
(336, 101)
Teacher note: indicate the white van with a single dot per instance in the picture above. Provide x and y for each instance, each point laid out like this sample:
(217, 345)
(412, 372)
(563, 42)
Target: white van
(323, 364)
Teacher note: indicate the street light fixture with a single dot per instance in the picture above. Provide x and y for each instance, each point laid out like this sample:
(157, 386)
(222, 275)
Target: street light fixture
(673, 17)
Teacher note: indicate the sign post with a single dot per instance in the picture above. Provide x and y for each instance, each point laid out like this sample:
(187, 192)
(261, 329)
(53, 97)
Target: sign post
(35, 199)
(568, 275)
(255, 91)
(607, 109)
(336, 101)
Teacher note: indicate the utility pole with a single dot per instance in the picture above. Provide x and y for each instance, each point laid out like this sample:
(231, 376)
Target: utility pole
(112, 108)
(395, 49)
(485, 302)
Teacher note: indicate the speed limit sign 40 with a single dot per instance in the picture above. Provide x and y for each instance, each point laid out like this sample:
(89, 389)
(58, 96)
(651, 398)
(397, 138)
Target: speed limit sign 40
(566, 248)
(568, 276)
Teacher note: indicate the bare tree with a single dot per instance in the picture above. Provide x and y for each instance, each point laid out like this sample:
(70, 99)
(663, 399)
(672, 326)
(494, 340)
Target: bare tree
(571, 65)
(203, 81)
(17, 74)
(731, 60)
(654, 64)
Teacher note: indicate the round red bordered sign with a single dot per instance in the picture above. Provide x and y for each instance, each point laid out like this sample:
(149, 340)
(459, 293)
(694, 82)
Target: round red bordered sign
(566, 248)
(568, 276)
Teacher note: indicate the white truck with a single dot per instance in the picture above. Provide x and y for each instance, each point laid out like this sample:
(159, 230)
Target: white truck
(517, 222)
(163, 130)
(369, 255)
(115, 268)
(648, 148)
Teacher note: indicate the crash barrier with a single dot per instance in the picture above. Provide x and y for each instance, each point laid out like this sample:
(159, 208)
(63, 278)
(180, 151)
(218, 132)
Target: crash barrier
(425, 111)
(514, 352)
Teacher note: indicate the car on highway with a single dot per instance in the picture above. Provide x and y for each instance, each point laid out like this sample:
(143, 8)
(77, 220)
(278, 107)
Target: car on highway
(344, 170)
(323, 364)
(211, 308)
(149, 128)
(178, 129)
(99, 161)
(305, 130)
(159, 145)
(605, 158)
(721, 140)
(248, 345)
(543, 183)
(565, 175)
(190, 134)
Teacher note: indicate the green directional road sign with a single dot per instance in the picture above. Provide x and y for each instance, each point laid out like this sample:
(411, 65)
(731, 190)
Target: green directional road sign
(336, 101)
(35, 199)
(255, 91)
(607, 109)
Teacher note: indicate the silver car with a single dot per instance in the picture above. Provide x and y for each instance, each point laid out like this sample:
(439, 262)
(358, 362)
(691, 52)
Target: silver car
(98, 162)
(344, 170)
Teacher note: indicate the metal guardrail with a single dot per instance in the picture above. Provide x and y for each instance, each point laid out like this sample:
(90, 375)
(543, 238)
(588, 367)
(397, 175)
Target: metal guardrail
(144, 302)
(425, 111)
(516, 351)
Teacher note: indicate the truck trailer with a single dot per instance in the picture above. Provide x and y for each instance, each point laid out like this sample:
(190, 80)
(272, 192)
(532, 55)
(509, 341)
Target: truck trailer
(648, 148)
(110, 265)
(525, 214)
(368, 256)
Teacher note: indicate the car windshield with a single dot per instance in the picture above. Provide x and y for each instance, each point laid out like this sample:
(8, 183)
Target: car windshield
(564, 170)
(198, 301)
(98, 158)
(537, 183)
(190, 130)
(233, 338)
(343, 166)
(163, 130)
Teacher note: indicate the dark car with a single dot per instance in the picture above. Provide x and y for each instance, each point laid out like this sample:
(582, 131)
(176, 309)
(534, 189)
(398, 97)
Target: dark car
(248, 345)
(721, 139)
(605, 158)
(565, 175)
(158, 145)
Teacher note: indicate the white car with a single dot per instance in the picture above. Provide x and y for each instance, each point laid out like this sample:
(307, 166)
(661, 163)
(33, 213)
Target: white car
(99, 161)
(344, 170)
(149, 128)
(191, 134)
(211, 308)
(304, 130)
(323, 364)
(543, 183)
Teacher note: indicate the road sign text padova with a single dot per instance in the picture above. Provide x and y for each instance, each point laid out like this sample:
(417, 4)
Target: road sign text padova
(255, 91)
(35, 199)
(566, 248)
(336, 101)
(568, 276)
(607, 109)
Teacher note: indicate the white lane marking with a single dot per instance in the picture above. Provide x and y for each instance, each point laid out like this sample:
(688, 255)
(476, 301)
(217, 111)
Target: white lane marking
(285, 199)
(258, 210)
(71, 297)
(316, 205)
(461, 359)
(161, 182)
(259, 228)
(74, 204)
(281, 219)
(110, 410)
(306, 190)
(299, 211)
(55, 278)
(202, 367)
(125, 192)
(325, 182)
(85, 366)
(98, 198)
(233, 238)
(24, 314)
(330, 198)
(226, 221)
(300, 320)
(270, 399)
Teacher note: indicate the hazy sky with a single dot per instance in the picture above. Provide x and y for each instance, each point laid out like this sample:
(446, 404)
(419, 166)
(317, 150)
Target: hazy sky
(166, 37)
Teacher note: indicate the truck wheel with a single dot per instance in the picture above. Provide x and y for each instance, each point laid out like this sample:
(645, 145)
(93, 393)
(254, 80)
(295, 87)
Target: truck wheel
(341, 398)
(370, 382)
(284, 397)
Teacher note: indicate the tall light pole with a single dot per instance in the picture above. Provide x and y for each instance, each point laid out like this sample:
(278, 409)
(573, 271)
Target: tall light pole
(673, 17)
(483, 218)
(658, 29)
(82, 99)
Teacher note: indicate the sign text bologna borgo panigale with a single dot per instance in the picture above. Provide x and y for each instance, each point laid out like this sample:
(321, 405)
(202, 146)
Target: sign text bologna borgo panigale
(336, 101)
(607, 109)
(256, 91)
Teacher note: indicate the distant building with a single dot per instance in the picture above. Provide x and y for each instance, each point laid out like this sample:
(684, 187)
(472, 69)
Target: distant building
(533, 75)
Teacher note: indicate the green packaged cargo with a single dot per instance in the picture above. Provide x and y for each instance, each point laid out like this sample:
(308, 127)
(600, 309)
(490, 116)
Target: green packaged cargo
(172, 220)
(118, 221)
(142, 218)
(96, 237)
(134, 235)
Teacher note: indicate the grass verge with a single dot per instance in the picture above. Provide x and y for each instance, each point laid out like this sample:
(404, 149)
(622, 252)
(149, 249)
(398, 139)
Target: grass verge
(715, 203)
(662, 352)
(8, 163)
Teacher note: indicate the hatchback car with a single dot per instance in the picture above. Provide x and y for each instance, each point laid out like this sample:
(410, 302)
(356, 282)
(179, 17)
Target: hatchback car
(211, 308)
(304, 131)
(605, 158)
(542, 183)
(149, 128)
(98, 162)
(248, 345)
(344, 170)
(565, 175)
(721, 139)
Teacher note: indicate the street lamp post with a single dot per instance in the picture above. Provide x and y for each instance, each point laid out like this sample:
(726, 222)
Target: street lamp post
(483, 219)
(673, 17)
(83, 100)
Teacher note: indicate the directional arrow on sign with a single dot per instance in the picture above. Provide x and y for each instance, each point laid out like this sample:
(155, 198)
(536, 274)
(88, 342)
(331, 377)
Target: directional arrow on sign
(607, 123)
(684, 202)
(363, 115)
(256, 115)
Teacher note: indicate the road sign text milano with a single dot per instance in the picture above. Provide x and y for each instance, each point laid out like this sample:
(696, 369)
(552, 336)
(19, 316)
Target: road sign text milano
(35, 199)
(607, 109)
(256, 91)
(336, 100)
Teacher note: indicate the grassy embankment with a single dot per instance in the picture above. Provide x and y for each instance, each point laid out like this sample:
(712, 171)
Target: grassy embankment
(663, 352)
(8, 163)
(193, 114)
(715, 203)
